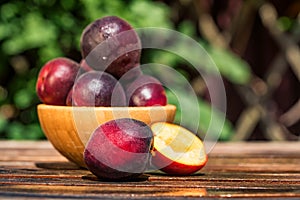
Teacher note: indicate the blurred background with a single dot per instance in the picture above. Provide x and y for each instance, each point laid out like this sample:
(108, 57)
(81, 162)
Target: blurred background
(255, 45)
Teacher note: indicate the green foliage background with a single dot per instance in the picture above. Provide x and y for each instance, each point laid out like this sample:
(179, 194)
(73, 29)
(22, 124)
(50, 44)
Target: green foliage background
(35, 31)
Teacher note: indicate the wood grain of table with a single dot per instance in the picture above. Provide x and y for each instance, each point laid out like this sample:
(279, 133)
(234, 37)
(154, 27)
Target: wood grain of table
(35, 170)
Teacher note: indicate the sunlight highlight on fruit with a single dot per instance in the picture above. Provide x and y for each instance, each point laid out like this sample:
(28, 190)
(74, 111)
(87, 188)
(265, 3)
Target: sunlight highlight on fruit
(177, 150)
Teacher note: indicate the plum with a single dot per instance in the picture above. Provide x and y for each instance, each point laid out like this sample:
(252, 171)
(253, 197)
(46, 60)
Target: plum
(69, 100)
(146, 91)
(130, 76)
(110, 44)
(55, 79)
(96, 88)
(119, 149)
(85, 67)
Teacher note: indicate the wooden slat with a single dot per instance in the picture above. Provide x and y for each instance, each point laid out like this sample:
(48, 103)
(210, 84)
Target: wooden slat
(257, 148)
(35, 170)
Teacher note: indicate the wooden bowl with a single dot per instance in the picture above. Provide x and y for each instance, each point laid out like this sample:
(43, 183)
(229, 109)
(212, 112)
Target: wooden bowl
(69, 128)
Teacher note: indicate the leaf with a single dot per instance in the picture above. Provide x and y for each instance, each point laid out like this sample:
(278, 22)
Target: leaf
(36, 32)
(23, 98)
(19, 131)
(231, 66)
(209, 119)
(3, 123)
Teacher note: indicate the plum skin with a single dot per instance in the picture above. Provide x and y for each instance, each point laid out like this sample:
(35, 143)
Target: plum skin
(146, 91)
(120, 48)
(55, 80)
(172, 167)
(95, 88)
(119, 149)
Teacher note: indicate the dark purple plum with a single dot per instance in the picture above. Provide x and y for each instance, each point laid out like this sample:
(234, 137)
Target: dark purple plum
(130, 76)
(69, 98)
(96, 88)
(85, 67)
(110, 44)
(55, 80)
(119, 149)
(146, 91)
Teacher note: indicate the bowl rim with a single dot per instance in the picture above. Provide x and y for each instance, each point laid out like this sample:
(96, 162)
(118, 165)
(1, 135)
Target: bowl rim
(47, 106)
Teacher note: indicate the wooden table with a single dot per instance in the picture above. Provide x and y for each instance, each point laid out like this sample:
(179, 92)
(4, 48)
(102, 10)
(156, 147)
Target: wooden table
(35, 170)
